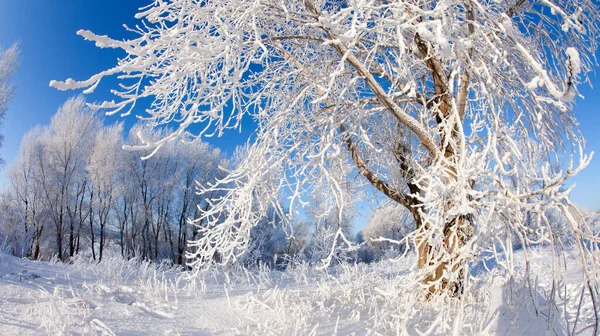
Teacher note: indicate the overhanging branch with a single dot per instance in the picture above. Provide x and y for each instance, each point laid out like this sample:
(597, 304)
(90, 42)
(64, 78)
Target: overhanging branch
(378, 183)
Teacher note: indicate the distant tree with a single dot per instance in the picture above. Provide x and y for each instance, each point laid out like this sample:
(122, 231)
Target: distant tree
(67, 144)
(25, 186)
(387, 229)
(72, 182)
(437, 103)
(270, 242)
(9, 61)
(103, 168)
(201, 165)
(157, 197)
(331, 209)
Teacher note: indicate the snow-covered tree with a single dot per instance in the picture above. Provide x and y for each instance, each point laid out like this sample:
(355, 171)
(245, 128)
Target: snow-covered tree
(271, 244)
(61, 164)
(26, 189)
(332, 212)
(103, 168)
(201, 165)
(9, 60)
(437, 103)
(72, 181)
(156, 197)
(388, 226)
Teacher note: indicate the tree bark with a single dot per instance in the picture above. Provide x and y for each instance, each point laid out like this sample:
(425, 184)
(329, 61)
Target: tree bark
(91, 214)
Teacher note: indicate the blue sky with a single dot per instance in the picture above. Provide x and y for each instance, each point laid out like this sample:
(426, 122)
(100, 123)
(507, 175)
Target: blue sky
(46, 32)
(51, 50)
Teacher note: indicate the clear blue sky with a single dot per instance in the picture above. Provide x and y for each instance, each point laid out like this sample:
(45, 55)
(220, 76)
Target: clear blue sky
(46, 32)
(51, 50)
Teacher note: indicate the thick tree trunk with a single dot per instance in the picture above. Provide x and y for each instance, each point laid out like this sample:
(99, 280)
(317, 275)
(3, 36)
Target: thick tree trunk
(443, 263)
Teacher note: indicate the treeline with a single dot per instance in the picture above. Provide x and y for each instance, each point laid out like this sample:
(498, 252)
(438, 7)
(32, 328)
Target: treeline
(73, 189)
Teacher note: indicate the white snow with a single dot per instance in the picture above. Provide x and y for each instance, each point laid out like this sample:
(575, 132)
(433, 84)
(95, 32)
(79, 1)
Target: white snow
(118, 297)
(574, 61)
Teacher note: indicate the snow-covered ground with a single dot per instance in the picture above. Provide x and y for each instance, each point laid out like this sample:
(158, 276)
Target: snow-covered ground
(137, 298)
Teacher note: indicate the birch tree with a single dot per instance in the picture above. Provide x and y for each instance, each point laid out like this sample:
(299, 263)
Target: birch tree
(437, 104)
(103, 167)
(60, 163)
(27, 190)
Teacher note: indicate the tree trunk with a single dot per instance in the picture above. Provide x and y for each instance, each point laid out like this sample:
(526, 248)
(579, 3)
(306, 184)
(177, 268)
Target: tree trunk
(26, 219)
(71, 235)
(59, 236)
(443, 263)
(101, 242)
(91, 214)
(38, 237)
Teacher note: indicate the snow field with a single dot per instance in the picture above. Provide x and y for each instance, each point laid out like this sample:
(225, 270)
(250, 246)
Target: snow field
(119, 297)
